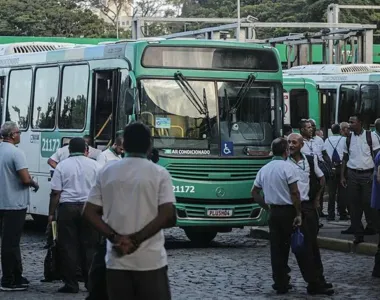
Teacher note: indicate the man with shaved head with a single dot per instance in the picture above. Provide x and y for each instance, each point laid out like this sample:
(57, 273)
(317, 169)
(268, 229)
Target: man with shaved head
(310, 184)
(278, 181)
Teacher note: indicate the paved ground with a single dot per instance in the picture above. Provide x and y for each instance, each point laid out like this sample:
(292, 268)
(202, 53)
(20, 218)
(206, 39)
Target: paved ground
(234, 267)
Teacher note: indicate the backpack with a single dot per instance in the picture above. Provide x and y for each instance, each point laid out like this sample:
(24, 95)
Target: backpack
(335, 158)
(368, 136)
(313, 179)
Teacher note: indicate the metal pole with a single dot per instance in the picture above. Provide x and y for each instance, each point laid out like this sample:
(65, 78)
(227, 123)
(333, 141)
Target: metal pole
(238, 27)
(117, 26)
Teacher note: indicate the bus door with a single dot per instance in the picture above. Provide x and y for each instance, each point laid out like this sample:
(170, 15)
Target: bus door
(328, 104)
(105, 91)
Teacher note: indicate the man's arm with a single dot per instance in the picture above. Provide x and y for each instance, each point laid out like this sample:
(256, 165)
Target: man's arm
(166, 216)
(343, 180)
(52, 163)
(326, 157)
(256, 195)
(93, 214)
(378, 174)
(296, 198)
(21, 167)
(53, 204)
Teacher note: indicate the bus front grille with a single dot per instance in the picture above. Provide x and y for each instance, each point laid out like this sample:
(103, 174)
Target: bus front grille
(213, 172)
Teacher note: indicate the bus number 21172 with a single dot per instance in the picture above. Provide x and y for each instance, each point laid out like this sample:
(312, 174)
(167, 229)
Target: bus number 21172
(183, 189)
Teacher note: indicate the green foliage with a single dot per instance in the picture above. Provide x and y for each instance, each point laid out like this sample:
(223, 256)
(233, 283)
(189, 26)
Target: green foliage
(48, 18)
(278, 11)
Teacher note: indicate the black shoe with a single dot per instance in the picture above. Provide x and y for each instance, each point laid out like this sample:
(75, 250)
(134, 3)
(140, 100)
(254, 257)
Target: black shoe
(350, 230)
(376, 274)
(328, 285)
(358, 240)
(287, 287)
(319, 290)
(344, 218)
(12, 287)
(24, 281)
(369, 231)
(68, 290)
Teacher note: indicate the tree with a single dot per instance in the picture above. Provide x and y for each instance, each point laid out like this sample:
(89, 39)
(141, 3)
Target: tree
(48, 18)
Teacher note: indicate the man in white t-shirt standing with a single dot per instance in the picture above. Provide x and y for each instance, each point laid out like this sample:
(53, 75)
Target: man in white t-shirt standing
(70, 186)
(359, 151)
(113, 153)
(136, 200)
(278, 181)
(334, 146)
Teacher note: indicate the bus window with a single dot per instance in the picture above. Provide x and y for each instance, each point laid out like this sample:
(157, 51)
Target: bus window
(327, 109)
(369, 104)
(45, 98)
(74, 97)
(299, 106)
(20, 85)
(348, 102)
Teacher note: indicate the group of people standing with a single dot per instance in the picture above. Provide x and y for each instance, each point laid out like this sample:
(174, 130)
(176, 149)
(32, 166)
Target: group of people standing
(348, 163)
(117, 242)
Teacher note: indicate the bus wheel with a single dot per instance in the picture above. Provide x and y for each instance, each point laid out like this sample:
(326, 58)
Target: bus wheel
(40, 220)
(199, 237)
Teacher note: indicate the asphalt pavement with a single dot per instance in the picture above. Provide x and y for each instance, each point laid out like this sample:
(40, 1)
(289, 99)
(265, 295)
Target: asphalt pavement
(235, 266)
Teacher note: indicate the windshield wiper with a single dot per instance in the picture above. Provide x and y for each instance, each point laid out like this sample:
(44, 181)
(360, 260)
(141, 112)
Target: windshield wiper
(228, 115)
(242, 93)
(201, 106)
(193, 97)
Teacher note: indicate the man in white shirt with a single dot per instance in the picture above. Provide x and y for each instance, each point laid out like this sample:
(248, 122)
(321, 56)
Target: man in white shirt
(334, 146)
(359, 151)
(63, 153)
(113, 153)
(278, 181)
(71, 184)
(315, 146)
(311, 182)
(130, 204)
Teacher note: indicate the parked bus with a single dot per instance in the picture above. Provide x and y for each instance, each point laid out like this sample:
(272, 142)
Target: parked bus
(213, 107)
(301, 101)
(343, 91)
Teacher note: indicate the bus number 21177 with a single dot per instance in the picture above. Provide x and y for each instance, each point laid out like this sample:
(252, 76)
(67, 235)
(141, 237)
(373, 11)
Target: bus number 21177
(183, 189)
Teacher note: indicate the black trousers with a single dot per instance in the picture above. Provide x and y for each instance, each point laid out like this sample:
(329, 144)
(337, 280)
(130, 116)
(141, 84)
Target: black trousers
(336, 194)
(376, 268)
(12, 225)
(309, 260)
(359, 189)
(97, 284)
(77, 242)
(138, 285)
(281, 228)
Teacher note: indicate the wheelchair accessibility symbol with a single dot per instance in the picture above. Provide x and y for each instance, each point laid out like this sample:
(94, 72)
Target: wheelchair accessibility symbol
(227, 149)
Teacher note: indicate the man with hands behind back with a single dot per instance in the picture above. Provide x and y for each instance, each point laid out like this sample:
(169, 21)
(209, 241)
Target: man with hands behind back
(130, 204)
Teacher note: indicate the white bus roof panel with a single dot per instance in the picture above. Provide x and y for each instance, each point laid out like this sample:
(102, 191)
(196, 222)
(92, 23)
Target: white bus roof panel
(332, 69)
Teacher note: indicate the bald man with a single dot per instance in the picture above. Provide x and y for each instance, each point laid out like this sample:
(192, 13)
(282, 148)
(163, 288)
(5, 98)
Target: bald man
(310, 184)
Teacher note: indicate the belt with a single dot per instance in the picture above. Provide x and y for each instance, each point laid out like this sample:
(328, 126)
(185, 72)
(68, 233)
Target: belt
(280, 206)
(361, 171)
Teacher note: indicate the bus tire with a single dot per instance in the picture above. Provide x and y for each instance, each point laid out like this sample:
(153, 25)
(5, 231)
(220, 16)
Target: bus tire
(40, 220)
(199, 237)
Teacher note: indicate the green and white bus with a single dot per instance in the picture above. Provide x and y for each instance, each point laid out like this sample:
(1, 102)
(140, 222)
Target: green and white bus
(342, 91)
(214, 108)
(301, 101)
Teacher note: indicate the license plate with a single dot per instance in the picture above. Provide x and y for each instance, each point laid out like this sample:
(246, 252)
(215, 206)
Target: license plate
(219, 213)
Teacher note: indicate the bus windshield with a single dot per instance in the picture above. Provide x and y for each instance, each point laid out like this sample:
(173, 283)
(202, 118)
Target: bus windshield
(217, 113)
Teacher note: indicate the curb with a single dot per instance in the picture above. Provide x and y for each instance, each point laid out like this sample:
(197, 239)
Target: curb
(324, 243)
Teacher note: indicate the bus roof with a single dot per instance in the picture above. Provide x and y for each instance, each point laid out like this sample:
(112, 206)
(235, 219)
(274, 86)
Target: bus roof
(332, 69)
(61, 52)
